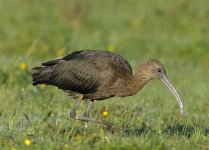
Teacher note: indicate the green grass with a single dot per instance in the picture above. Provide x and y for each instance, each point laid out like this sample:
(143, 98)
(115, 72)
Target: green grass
(175, 32)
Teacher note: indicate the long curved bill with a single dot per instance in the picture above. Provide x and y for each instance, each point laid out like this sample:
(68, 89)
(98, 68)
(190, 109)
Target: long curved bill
(173, 90)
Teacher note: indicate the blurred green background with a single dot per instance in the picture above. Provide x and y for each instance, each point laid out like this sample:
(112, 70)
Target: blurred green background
(137, 28)
(175, 32)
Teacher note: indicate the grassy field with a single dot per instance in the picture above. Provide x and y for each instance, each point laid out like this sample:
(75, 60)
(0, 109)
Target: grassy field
(175, 32)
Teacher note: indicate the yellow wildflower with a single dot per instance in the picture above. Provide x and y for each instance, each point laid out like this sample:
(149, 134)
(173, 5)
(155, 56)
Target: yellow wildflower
(111, 47)
(42, 86)
(61, 52)
(105, 114)
(27, 142)
(22, 66)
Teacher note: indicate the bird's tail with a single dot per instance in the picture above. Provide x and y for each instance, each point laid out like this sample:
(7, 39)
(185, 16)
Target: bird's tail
(41, 75)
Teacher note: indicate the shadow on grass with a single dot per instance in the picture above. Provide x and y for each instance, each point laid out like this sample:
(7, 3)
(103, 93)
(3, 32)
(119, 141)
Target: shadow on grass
(179, 129)
(142, 130)
(175, 129)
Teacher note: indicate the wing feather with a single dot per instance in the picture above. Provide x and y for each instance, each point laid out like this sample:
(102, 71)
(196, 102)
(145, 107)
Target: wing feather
(79, 76)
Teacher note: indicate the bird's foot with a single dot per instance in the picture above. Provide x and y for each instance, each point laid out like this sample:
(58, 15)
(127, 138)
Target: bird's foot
(73, 115)
(105, 124)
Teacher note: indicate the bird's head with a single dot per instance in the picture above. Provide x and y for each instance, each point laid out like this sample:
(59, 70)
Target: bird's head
(153, 69)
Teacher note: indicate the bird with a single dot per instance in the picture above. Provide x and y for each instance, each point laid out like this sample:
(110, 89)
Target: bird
(99, 75)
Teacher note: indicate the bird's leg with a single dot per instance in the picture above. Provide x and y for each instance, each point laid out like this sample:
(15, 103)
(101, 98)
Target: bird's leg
(86, 113)
(73, 111)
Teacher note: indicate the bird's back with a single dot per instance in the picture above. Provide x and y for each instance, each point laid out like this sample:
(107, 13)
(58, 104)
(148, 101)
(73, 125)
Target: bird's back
(102, 59)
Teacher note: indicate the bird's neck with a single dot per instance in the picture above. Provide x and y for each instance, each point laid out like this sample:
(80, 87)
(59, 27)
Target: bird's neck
(132, 85)
(137, 82)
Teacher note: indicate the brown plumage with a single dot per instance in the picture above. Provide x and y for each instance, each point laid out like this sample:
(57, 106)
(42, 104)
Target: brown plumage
(98, 75)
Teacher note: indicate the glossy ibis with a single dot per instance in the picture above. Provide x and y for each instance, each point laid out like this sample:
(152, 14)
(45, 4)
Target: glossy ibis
(98, 75)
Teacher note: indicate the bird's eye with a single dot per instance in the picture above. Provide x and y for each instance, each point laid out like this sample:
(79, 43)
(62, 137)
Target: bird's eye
(159, 70)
